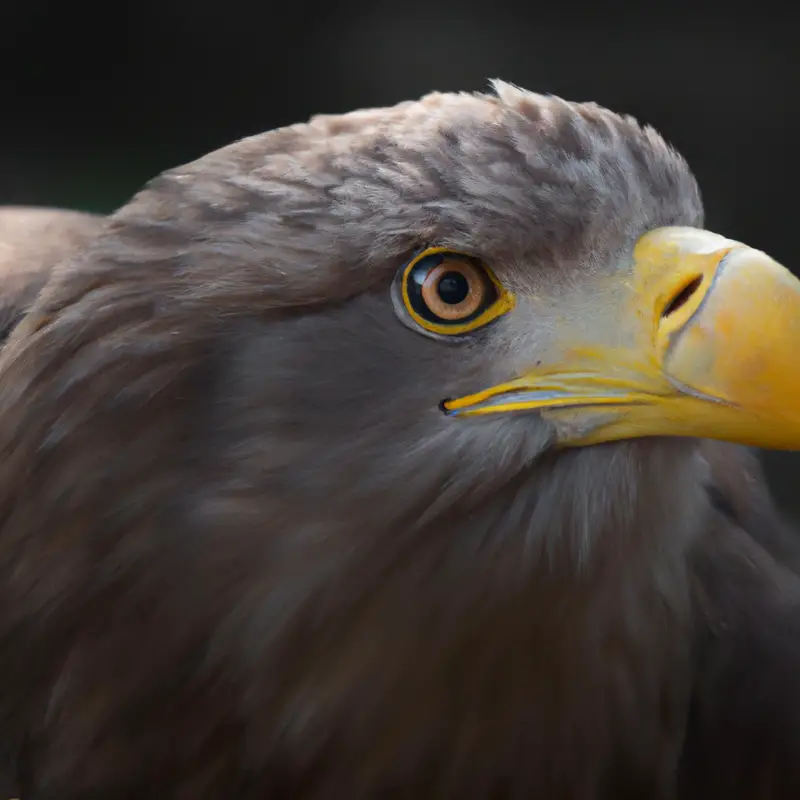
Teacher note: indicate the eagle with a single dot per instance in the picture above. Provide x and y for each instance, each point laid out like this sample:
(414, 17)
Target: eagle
(398, 454)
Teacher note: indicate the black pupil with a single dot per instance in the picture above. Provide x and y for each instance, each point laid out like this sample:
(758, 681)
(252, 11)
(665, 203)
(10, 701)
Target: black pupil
(453, 288)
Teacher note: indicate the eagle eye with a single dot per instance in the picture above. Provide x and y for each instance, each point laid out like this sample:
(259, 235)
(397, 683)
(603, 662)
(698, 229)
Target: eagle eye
(445, 293)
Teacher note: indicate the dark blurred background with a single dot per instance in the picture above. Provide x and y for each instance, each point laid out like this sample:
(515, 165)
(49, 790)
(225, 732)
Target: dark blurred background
(96, 100)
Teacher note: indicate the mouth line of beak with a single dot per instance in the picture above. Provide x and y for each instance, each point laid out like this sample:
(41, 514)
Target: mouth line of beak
(519, 402)
(520, 396)
(516, 397)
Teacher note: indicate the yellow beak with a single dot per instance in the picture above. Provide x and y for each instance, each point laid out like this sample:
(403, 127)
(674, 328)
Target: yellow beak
(700, 337)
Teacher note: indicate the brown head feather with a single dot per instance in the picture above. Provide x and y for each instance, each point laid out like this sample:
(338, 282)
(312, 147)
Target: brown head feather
(32, 241)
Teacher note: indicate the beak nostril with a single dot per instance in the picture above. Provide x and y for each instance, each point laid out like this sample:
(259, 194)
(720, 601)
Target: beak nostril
(682, 297)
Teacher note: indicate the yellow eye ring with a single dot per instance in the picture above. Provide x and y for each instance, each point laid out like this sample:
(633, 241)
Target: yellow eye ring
(448, 293)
